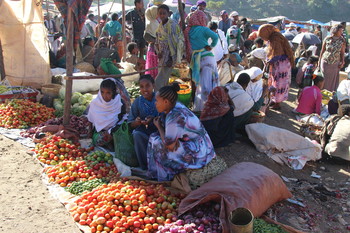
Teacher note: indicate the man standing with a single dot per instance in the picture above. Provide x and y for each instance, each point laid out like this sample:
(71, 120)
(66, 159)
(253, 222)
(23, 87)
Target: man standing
(225, 22)
(246, 28)
(49, 24)
(136, 18)
(235, 18)
(91, 24)
(201, 5)
(220, 50)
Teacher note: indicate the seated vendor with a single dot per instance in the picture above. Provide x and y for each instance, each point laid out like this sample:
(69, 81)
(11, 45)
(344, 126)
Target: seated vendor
(243, 103)
(230, 66)
(343, 92)
(182, 144)
(310, 100)
(106, 113)
(255, 86)
(143, 110)
(133, 58)
(217, 117)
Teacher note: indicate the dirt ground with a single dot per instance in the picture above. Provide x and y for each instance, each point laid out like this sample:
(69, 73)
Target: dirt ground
(27, 206)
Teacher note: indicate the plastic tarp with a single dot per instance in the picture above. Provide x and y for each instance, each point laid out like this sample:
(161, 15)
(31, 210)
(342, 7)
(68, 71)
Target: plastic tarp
(24, 43)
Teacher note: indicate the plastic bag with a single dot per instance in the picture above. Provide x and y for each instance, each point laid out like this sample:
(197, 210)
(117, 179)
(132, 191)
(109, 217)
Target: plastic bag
(124, 146)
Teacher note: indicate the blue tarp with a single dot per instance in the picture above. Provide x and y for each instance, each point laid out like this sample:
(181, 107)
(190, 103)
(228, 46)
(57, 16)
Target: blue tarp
(314, 21)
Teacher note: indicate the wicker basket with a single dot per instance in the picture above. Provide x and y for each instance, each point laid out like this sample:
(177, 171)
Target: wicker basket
(51, 89)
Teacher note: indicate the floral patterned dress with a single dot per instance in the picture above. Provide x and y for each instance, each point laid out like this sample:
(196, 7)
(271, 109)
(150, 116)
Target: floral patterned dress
(194, 151)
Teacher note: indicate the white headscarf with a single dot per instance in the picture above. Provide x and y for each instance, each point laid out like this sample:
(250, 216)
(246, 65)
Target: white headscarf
(254, 89)
(104, 115)
(151, 20)
(259, 53)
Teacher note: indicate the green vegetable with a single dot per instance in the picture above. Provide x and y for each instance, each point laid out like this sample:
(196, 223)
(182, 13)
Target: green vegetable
(260, 226)
(75, 97)
(78, 188)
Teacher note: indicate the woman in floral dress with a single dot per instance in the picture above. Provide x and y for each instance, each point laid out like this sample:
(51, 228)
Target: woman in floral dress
(182, 144)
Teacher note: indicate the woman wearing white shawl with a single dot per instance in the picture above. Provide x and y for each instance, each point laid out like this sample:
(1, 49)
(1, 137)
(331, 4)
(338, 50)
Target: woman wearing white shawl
(150, 36)
(255, 86)
(106, 112)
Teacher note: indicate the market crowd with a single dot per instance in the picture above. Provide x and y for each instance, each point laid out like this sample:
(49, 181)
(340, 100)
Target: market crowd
(236, 74)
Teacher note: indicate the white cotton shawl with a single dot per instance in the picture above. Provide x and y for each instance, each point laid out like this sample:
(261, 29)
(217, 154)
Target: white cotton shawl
(259, 53)
(151, 20)
(254, 89)
(104, 115)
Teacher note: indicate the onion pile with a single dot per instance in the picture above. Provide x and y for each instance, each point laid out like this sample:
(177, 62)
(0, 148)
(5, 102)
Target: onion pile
(78, 123)
(203, 218)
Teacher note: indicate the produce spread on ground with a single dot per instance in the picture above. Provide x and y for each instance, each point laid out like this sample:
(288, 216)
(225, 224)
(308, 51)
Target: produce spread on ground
(106, 202)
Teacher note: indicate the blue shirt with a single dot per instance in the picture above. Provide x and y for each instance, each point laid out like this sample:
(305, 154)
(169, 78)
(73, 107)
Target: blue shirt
(199, 36)
(113, 27)
(225, 25)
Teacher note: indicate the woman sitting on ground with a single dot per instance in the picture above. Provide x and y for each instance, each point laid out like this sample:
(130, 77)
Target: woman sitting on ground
(106, 113)
(242, 101)
(310, 100)
(182, 144)
(217, 117)
(143, 110)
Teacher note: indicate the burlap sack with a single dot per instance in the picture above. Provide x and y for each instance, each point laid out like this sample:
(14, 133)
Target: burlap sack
(246, 184)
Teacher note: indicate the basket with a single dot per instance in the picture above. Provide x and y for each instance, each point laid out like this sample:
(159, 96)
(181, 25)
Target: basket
(311, 130)
(51, 89)
(184, 95)
(259, 117)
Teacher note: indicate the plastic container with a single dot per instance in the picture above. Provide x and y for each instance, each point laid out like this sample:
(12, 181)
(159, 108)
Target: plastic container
(184, 95)
(241, 221)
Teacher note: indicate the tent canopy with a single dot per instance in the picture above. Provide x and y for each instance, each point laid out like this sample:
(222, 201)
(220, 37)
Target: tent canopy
(105, 9)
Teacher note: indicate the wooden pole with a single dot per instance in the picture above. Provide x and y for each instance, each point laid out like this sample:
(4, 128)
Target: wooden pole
(123, 29)
(69, 66)
(98, 12)
(2, 65)
(47, 10)
(182, 15)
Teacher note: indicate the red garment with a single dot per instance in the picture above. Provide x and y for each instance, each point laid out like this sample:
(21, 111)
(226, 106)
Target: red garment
(310, 100)
(217, 104)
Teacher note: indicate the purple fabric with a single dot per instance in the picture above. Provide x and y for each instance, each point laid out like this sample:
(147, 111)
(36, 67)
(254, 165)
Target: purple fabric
(200, 2)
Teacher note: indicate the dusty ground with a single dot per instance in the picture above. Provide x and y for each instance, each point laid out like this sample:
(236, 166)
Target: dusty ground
(27, 206)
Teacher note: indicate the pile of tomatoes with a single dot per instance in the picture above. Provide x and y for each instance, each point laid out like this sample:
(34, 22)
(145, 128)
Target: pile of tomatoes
(69, 171)
(126, 206)
(55, 149)
(21, 113)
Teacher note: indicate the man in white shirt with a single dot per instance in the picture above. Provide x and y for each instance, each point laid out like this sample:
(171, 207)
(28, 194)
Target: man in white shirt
(220, 51)
(91, 25)
(292, 29)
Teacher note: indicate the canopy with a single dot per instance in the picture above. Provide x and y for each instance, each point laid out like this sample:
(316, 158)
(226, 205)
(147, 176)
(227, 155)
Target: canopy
(174, 3)
(314, 21)
(105, 9)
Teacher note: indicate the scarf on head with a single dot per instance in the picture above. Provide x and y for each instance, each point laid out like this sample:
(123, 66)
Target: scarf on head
(104, 115)
(259, 53)
(108, 66)
(278, 45)
(151, 20)
(197, 18)
(216, 105)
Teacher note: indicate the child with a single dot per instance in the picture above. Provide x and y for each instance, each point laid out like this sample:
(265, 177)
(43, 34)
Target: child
(310, 100)
(143, 110)
(308, 70)
(132, 56)
(106, 113)
(169, 45)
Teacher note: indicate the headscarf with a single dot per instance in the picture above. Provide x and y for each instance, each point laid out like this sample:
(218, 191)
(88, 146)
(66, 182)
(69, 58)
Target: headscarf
(217, 104)
(108, 66)
(254, 89)
(278, 45)
(197, 18)
(151, 20)
(259, 53)
(104, 115)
